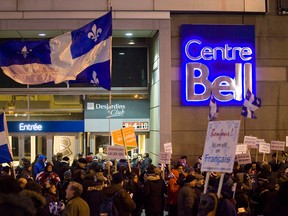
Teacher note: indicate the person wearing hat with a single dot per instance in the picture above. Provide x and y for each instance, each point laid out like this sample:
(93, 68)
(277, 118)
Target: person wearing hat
(186, 199)
(45, 176)
(154, 189)
(27, 171)
(64, 166)
(123, 201)
(81, 165)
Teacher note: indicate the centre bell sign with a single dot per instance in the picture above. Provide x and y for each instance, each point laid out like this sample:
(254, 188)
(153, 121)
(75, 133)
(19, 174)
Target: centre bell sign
(218, 59)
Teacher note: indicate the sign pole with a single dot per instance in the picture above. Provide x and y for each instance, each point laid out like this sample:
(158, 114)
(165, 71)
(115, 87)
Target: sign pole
(220, 185)
(206, 182)
(126, 151)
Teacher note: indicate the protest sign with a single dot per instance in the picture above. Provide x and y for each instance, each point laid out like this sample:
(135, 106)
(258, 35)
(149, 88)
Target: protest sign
(243, 158)
(116, 152)
(264, 148)
(220, 146)
(250, 141)
(127, 134)
(277, 145)
(164, 158)
(241, 149)
(168, 148)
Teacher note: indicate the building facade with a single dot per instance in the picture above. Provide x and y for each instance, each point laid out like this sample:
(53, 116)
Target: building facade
(170, 121)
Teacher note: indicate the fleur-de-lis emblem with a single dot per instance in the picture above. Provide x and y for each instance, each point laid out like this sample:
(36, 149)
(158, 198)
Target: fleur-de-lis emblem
(95, 33)
(95, 79)
(25, 51)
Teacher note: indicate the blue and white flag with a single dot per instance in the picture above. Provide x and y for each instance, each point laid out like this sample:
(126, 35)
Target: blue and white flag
(251, 101)
(5, 150)
(213, 109)
(248, 113)
(85, 50)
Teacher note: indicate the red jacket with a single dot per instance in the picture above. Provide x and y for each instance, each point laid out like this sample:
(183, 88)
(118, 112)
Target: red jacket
(173, 188)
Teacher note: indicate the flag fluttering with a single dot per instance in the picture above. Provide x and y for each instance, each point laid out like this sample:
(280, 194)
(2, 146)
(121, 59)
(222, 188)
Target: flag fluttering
(213, 109)
(84, 52)
(250, 105)
(5, 150)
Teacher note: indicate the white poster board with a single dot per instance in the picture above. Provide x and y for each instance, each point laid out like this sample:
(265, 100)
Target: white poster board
(277, 145)
(116, 152)
(220, 146)
(164, 158)
(264, 148)
(241, 149)
(250, 141)
(243, 158)
(168, 147)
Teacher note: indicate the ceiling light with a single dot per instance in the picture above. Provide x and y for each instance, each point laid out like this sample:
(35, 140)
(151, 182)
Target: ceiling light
(41, 34)
(131, 42)
(121, 53)
(128, 34)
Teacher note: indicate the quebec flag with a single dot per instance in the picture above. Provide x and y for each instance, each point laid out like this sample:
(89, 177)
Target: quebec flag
(84, 52)
(213, 109)
(251, 103)
(5, 152)
(248, 113)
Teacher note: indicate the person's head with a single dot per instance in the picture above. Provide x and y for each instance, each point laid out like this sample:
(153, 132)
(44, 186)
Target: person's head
(59, 156)
(117, 178)
(73, 189)
(199, 180)
(82, 162)
(22, 182)
(42, 158)
(146, 155)
(180, 168)
(191, 180)
(49, 167)
(100, 150)
(27, 165)
(139, 157)
(33, 186)
(11, 205)
(9, 184)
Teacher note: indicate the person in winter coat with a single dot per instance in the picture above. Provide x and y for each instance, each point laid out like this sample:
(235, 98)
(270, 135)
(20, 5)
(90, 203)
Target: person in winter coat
(76, 206)
(187, 197)
(154, 189)
(39, 166)
(123, 201)
(173, 192)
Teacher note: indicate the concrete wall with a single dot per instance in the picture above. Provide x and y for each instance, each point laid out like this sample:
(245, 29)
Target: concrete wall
(189, 124)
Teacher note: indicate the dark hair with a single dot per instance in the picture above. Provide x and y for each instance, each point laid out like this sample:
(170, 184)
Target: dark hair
(18, 205)
(9, 185)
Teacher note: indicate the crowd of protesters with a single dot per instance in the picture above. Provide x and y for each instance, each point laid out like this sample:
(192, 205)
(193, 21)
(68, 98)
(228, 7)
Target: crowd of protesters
(139, 186)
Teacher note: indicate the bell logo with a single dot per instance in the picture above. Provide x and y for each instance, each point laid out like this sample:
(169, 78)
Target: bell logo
(224, 88)
(218, 59)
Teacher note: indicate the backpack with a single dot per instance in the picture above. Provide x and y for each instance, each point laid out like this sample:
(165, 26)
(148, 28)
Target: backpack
(208, 204)
(108, 207)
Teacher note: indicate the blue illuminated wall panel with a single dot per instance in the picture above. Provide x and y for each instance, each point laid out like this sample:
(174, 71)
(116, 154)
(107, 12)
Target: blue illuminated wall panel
(218, 59)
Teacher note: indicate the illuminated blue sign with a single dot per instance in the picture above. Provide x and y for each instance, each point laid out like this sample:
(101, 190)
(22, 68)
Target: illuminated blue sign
(46, 126)
(218, 59)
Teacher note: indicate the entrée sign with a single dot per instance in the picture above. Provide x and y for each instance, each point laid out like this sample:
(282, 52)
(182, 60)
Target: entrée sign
(218, 59)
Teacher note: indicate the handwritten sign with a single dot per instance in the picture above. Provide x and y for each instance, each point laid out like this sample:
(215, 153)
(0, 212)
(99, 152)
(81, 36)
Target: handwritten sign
(241, 149)
(264, 148)
(168, 148)
(277, 145)
(116, 152)
(128, 134)
(243, 158)
(164, 158)
(220, 146)
(250, 141)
